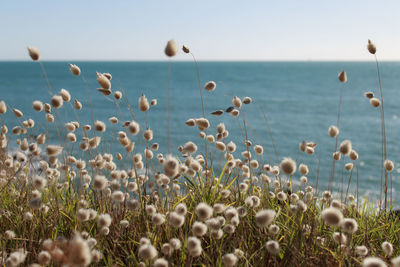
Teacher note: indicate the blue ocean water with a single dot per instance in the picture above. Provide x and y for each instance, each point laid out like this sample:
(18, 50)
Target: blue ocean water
(300, 100)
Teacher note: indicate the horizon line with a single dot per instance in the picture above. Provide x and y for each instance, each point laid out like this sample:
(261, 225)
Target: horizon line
(202, 60)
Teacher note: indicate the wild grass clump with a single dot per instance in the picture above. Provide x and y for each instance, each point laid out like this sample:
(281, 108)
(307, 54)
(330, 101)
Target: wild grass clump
(79, 203)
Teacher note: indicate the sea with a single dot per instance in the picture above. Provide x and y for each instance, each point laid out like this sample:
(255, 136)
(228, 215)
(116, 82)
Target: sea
(292, 102)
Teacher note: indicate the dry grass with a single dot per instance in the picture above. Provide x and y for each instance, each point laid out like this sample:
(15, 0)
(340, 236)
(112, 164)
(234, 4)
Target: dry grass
(89, 206)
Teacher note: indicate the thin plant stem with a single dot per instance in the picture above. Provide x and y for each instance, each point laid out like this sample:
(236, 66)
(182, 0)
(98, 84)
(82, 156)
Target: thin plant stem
(332, 178)
(168, 92)
(384, 152)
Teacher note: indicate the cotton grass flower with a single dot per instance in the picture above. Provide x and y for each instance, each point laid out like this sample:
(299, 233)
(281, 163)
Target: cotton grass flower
(349, 225)
(210, 86)
(103, 81)
(288, 166)
(375, 102)
(181, 209)
(373, 262)
(75, 70)
(333, 131)
(199, 229)
(387, 248)
(175, 243)
(160, 263)
(147, 252)
(369, 95)
(143, 103)
(176, 220)
(171, 48)
(44, 257)
(361, 250)
(158, 219)
(371, 47)
(345, 147)
(389, 166)
(272, 247)
(342, 77)
(229, 260)
(100, 182)
(65, 95)
(190, 147)
(57, 101)
(53, 150)
(332, 216)
(264, 218)
(104, 220)
(203, 211)
(194, 246)
(171, 166)
(339, 238)
(236, 102)
(395, 261)
(34, 53)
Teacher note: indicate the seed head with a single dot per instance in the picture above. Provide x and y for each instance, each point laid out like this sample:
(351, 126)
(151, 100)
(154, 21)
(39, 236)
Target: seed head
(99, 126)
(373, 262)
(147, 252)
(375, 102)
(361, 250)
(371, 47)
(369, 95)
(57, 101)
(389, 166)
(160, 262)
(395, 261)
(272, 247)
(342, 77)
(134, 127)
(236, 102)
(303, 169)
(288, 166)
(190, 147)
(353, 155)
(171, 166)
(75, 70)
(34, 53)
(333, 131)
(247, 100)
(100, 182)
(345, 147)
(143, 103)
(199, 229)
(210, 86)
(175, 219)
(3, 107)
(158, 219)
(66, 96)
(194, 246)
(77, 104)
(53, 150)
(103, 81)
(203, 211)
(349, 166)
(171, 49)
(185, 49)
(229, 260)
(339, 238)
(387, 248)
(349, 225)
(332, 216)
(264, 218)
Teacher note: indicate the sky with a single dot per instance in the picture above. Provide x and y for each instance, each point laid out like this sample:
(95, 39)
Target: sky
(212, 29)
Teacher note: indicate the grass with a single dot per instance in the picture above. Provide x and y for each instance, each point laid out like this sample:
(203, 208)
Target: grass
(89, 206)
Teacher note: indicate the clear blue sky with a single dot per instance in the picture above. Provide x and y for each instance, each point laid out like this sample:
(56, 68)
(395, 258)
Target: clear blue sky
(213, 29)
